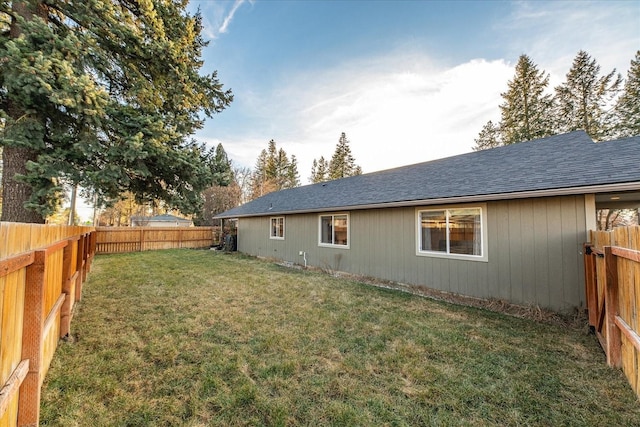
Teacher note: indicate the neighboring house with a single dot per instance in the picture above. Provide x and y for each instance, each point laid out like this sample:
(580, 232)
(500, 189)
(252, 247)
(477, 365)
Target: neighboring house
(160, 221)
(506, 223)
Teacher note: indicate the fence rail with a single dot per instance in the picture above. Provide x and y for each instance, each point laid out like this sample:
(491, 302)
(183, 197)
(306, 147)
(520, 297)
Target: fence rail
(136, 239)
(612, 284)
(42, 269)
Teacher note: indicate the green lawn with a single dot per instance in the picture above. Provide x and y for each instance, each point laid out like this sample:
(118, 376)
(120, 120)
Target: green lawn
(199, 338)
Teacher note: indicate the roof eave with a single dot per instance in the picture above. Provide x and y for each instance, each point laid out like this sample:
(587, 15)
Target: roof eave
(567, 191)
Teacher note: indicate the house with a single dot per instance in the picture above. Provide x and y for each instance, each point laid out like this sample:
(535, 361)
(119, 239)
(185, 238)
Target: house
(160, 221)
(506, 223)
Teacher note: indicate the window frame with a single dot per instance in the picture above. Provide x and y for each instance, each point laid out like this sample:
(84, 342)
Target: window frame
(333, 217)
(271, 228)
(483, 257)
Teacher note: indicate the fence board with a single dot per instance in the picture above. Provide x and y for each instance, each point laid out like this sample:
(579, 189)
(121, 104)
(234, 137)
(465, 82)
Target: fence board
(29, 399)
(35, 262)
(8, 393)
(634, 235)
(11, 327)
(136, 239)
(616, 283)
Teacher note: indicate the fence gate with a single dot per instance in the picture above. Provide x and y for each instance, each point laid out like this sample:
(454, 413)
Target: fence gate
(612, 285)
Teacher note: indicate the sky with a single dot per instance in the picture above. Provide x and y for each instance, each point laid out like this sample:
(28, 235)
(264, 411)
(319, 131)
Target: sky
(407, 81)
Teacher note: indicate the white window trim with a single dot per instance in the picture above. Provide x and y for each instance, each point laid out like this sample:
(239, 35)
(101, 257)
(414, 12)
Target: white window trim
(271, 236)
(483, 233)
(333, 245)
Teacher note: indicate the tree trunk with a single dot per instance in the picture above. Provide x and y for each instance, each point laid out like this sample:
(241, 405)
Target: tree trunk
(72, 208)
(14, 192)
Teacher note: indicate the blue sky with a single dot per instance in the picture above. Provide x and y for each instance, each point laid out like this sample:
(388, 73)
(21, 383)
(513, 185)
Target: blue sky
(408, 81)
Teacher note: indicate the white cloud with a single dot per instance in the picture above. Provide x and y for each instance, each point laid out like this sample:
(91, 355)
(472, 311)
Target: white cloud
(552, 33)
(216, 16)
(403, 117)
(395, 111)
(405, 107)
(227, 20)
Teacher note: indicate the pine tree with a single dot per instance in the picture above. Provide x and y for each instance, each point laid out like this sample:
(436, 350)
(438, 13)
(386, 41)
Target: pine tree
(261, 184)
(489, 137)
(271, 165)
(319, 171)
(526, 113)
(281, 164)
(342, 163)
(103, 95)
(223, 192)
(274, 171)
(627, 109)
(526, 110)
(293, 177)
(220, 166)
(584, 100)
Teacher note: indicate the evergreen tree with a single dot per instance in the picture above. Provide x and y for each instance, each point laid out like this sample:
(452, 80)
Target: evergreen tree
(526, 110)
(0, 181)
(489, 137)
(220, 166)
(293, 177)
(319, 170)
(322, 173)
(261, 184)
(102, 94)
(274, 171)
(223, 192)
(271, 165)
(526, 113)
(584, 100)
(342, 163)
(628, 105)
(281, 167)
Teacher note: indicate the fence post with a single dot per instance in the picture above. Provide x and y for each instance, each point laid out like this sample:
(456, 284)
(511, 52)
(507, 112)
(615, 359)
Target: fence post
(29, 399)
(85, 256)
(614, 340)
(590, 275)
(80, 268)
(92, 248)
(68, 280)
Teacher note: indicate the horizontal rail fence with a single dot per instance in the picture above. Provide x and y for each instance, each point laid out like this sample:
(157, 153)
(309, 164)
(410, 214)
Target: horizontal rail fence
(42, 269)
(612, 280)
(135, 239)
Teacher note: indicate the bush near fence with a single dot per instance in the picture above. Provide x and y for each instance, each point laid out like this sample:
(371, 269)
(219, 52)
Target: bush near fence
(42, 269)
(136, 239)
(612, 275)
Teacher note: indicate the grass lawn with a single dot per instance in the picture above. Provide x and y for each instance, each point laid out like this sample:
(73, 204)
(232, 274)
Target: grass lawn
(199, 338)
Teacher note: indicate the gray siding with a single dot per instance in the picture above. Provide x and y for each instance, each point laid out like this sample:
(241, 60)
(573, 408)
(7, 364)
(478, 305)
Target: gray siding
(533, 251)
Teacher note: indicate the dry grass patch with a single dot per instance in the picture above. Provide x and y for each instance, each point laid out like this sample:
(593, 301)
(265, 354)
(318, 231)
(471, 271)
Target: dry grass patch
(201, 338)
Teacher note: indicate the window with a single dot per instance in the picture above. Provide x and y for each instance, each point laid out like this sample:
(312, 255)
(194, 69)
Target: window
(452, 233)
(277, 228)
(334, 230)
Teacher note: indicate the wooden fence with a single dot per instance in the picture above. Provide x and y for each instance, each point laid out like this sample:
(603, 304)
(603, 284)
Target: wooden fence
(135, 239)
(612, 275)
(42, 269)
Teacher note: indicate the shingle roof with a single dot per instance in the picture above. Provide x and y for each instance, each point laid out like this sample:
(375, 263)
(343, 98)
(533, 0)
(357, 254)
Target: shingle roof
(569, 162)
